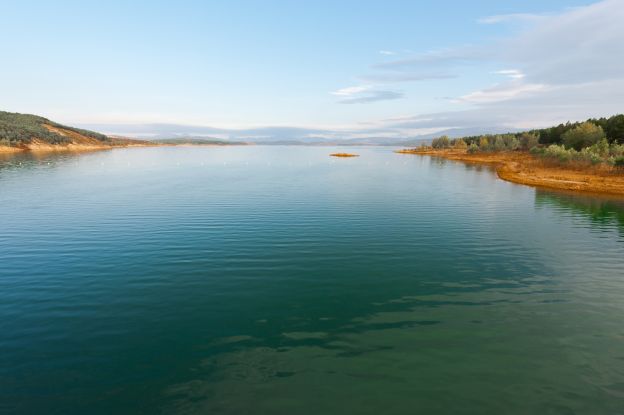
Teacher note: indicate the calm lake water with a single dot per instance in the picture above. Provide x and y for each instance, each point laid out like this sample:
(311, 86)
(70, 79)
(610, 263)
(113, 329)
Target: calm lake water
(278, 280)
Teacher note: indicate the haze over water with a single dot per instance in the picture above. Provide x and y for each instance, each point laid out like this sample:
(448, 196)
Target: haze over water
(279, 280)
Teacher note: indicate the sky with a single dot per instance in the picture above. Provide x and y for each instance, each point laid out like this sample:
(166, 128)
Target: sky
(330, 69)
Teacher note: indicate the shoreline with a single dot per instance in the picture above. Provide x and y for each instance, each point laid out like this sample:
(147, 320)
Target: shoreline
(76, 148)
(523, 168)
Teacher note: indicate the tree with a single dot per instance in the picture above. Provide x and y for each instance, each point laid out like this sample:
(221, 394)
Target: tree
(614, 129)
(528, 141)
(585, 135)
(499, 143)
(459, 143)
(511, 142)
(484, 143)
(441, 142)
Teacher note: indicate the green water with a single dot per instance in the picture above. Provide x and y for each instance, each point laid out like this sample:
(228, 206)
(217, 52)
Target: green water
(278, 280)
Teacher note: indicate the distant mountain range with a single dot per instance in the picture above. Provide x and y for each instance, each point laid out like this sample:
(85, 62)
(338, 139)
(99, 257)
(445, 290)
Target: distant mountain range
(30, 131)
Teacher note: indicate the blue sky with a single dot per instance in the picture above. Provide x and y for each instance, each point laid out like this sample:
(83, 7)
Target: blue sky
(329, 68)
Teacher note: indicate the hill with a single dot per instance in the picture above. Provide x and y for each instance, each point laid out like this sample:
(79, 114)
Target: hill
(30, 132)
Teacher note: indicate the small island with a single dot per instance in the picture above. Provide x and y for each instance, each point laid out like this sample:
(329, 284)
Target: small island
(586, 156)
(344, 155)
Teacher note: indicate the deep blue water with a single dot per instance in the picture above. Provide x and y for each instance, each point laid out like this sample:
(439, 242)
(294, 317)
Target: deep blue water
(279, 280)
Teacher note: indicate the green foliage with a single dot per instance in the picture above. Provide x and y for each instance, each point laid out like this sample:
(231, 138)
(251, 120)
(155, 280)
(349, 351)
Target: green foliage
(473, 148)
(613, 128)
(484, 144)
(511, 142)
(17, 129)
(499, 143)
(528, 140)
(459, 143)
(619, 162)
(600, 152)
(560, 153)
(441, 142)
(584, 135)
(504, 142)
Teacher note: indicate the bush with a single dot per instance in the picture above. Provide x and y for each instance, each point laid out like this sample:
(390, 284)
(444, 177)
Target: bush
(537, 150)
(616, 150)
(441, 142)
(585, 135)
(619, 162)
(473, 148)
(588, 155)
(560, 153)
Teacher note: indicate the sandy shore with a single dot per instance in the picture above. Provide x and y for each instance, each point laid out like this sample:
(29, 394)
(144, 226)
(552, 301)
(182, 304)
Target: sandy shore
(524, 168)
(8, 150)
(49, 148)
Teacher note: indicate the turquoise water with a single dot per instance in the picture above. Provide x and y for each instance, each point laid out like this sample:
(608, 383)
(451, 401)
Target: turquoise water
(278, 280)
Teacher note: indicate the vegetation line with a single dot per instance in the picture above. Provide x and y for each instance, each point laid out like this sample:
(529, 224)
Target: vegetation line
(580, 156)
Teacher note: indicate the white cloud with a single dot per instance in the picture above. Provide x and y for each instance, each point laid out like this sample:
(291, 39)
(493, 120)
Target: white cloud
(387, 52)
(363, 94)
(351, 90)
(511, 73)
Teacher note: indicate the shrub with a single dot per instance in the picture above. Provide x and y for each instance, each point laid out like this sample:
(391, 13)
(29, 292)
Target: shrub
(588, 155)
(619, 162)
(601, 148)
(585, 135)
(473, 148)
(616, 150)
(558, 152)
(537, 150)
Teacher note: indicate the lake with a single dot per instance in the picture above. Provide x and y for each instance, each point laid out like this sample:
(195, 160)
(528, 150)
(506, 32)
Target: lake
(279, 280)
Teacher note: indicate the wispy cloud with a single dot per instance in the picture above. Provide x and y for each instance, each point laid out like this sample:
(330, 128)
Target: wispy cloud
(363, 94)
(397, 77)
(511, 73)
(431, 65)
(373, 96)
(387, 52)
(512, 17)
(436, 57)
(500, 93)
(351, 90)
